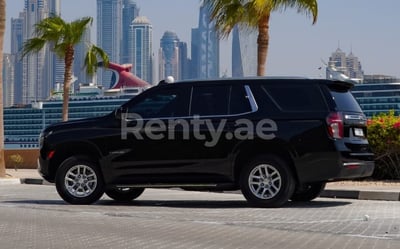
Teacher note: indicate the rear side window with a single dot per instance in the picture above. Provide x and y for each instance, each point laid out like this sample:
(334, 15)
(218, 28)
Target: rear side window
(345, 101)
(210, 100)
(239, 101)
(219, 100)
(296, 98)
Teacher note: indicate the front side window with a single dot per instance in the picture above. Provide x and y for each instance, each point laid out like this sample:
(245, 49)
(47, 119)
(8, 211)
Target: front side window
(165, 103)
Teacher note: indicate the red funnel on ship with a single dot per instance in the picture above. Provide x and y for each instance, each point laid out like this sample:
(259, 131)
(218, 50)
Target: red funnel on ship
(122, 76)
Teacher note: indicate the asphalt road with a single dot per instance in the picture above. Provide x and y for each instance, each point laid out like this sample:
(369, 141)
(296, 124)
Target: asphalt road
(34, 216)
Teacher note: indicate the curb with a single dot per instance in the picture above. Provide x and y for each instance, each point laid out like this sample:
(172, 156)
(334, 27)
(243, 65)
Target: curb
(34, 181)
(327, 193)
(31, 181)
(361, 195)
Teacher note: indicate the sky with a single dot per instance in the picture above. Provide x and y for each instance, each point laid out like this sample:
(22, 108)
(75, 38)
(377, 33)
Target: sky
(370, 29)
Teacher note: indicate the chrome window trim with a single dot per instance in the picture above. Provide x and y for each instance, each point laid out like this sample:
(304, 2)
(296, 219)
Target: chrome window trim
(253, 103)
(250, 97)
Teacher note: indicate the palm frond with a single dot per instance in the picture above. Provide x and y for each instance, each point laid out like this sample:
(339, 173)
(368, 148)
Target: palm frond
(50, 28)
(307, 7)
(33, 45)
(227, 14)
(91, 59)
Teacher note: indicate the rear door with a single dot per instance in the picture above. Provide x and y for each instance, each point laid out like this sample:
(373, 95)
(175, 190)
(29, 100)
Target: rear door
(214, 109)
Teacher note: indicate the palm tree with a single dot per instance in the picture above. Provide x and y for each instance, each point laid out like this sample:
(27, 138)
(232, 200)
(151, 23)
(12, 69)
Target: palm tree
(255, 14)
(62, 36)
(2, 29)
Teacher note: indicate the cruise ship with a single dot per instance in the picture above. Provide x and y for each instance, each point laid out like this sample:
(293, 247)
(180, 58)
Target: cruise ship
(377, 94)
(23, 124)
(376, 98)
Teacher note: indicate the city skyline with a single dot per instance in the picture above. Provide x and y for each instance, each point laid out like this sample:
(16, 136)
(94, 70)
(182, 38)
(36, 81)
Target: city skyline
(296, 46)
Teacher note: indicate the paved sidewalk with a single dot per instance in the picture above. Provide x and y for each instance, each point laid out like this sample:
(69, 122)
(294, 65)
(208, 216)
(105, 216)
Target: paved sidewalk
(24, 176)
(363, 190)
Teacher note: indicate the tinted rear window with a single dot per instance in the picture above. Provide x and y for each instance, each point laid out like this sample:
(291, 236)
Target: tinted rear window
(296, 98)
(345, 101)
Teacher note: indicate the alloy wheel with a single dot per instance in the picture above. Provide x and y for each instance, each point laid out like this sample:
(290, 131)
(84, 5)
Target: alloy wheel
(80, 181)
(265, 181)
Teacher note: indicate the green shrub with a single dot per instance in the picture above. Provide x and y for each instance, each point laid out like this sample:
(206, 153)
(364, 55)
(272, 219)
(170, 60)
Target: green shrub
(384, 138)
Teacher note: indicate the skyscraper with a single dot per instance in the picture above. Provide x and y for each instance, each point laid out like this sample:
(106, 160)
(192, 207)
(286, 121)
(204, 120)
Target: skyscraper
(205, 48)
(55, 66)
(129, 12)
(354, 66)
(172, 57)
(338, 61)
(109, 33)
(169, 56)
(79, 59)
(244, 53)
(8, 79)
(54, 7)
(17, 38)
(57, 63)
(184, 62)
(34, 82)
(141, 48)
(348, 65)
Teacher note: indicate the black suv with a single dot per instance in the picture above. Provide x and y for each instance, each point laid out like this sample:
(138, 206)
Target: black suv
(274, 139)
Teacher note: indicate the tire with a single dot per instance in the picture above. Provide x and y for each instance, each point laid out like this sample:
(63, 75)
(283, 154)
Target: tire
(308, 192)
(267, 181)
(79, 181)
(124, 194)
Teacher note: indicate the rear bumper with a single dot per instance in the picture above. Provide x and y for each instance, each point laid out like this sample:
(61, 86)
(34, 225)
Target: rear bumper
(334, 166)
(352, 169)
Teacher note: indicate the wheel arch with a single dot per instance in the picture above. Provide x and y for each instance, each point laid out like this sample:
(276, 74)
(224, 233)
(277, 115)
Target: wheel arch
(66, 150)
(248, 151)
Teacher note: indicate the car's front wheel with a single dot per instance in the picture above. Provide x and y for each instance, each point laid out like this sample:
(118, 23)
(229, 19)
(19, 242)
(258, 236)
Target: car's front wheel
(124, 194)
(79, 181)
(267, 181)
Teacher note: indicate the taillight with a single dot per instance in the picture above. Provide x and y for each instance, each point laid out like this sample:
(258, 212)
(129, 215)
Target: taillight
(335, 125)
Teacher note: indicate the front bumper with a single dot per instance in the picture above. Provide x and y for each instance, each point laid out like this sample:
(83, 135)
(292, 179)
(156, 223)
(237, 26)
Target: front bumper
(44, 169)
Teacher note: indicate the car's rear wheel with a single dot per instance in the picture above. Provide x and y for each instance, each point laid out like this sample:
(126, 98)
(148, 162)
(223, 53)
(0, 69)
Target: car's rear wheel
(124, 194)
(79, 181)
(308, 192)
(267, 181)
